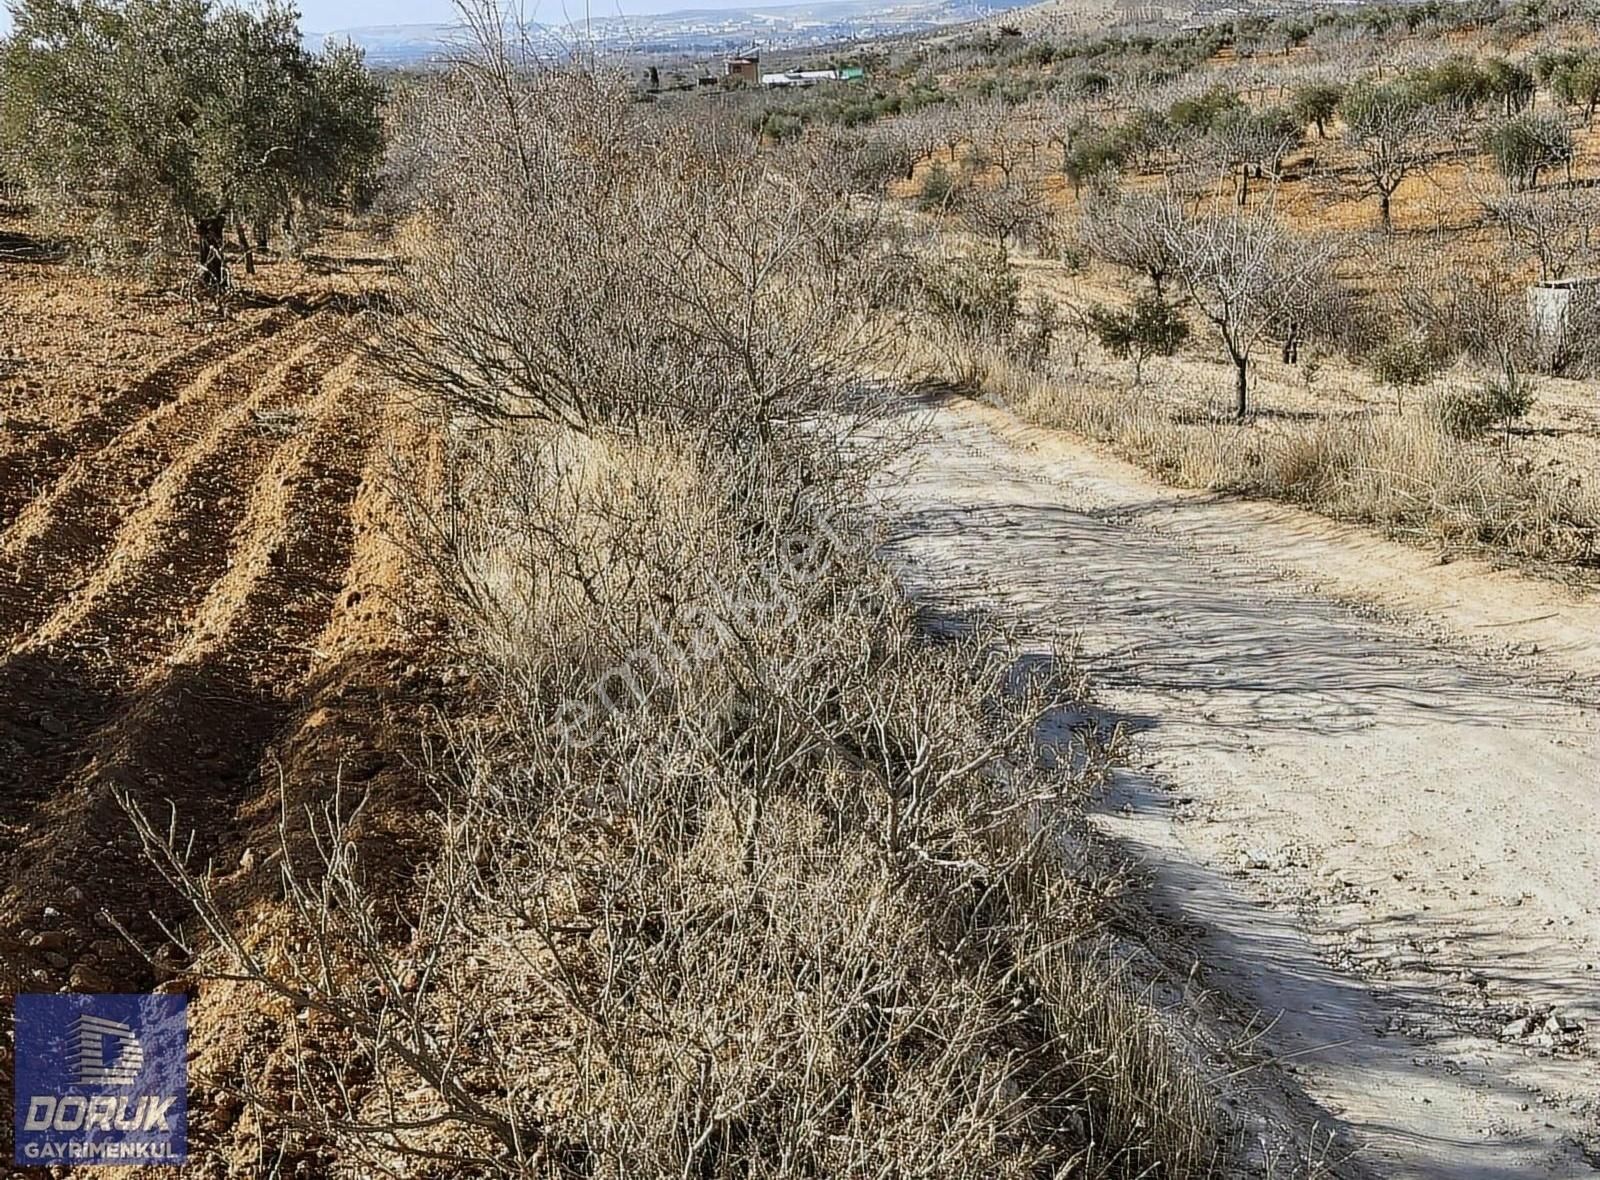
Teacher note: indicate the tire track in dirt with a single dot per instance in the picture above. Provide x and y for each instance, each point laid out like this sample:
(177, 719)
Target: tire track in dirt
(27, 470)
(193, 728)
(62, 533)
(1375, 835)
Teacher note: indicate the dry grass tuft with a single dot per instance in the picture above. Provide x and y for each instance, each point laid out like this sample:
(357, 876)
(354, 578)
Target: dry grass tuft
(1399, 471)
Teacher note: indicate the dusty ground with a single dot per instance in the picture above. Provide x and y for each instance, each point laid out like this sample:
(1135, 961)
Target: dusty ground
(1368, 807)
(197, 604)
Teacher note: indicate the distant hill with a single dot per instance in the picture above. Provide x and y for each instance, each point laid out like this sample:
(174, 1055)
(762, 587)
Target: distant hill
(396, 45)
(783, 26)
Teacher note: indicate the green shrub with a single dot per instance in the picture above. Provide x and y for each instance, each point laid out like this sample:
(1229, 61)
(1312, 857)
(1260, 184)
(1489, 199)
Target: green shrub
(1200, 112)
(1093, 156)
(1151, 327)
(938, 189)
(1468, 413)
(1509, 398)
(977, 292)
(1406, 360)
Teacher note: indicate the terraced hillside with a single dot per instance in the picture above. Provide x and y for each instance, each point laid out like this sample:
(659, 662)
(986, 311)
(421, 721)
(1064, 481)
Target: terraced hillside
(194, 593)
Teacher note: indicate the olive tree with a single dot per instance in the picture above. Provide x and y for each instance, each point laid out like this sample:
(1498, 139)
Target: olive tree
(154, 118)
(1524, 145)
(1316, 103)
(1151, 327)
(1573, 76)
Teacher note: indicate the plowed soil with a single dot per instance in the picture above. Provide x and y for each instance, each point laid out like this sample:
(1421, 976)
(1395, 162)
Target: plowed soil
(198, 595)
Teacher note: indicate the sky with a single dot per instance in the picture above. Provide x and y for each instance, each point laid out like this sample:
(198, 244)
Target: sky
(323, 15)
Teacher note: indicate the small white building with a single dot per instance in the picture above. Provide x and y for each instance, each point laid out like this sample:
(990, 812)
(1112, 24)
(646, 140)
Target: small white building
(1550, 303)
(800, 78)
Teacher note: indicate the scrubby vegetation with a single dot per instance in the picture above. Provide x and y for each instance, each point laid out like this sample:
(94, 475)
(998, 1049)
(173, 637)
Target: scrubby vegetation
(1269, 182)
(738, 869)
(739, 866)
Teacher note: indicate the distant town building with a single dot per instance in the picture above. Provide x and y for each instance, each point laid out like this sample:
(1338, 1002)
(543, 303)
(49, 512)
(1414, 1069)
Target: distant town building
(1146, 12)
(812, 77)
(745, 65)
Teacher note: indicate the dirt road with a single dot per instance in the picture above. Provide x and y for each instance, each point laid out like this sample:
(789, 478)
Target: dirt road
(1379, 827)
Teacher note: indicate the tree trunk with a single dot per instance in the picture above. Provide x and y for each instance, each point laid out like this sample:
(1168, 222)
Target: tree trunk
(1244, 184)
(1383, 211)
(1322, 132)
(262, 229)
(244, 244)
(1241, 388)
(211, 231)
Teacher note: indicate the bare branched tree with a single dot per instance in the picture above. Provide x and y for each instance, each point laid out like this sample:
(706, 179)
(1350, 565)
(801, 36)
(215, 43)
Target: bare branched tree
(1391, 131)
(1559, 229)
(1247, 276)
(1124, 228)
(1005, 214)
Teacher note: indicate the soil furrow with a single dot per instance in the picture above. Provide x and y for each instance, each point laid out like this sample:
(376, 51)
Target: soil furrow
(196, 730)
(62, 534)
(34, 465)
(169, 552)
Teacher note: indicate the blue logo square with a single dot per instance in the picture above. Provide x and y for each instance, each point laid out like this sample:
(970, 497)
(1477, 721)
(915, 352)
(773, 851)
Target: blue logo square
(102, 1079)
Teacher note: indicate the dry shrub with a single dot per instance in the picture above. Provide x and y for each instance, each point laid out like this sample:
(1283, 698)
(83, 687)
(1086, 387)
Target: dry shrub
(740, 872)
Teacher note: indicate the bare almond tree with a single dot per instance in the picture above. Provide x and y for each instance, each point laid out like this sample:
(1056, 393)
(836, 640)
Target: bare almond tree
(1064, 118)
(1256, 142)
(1558, 229)
(999, 136)
(1003, 213)
(1122, 228)
(1391, 131)
(1247, 275)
